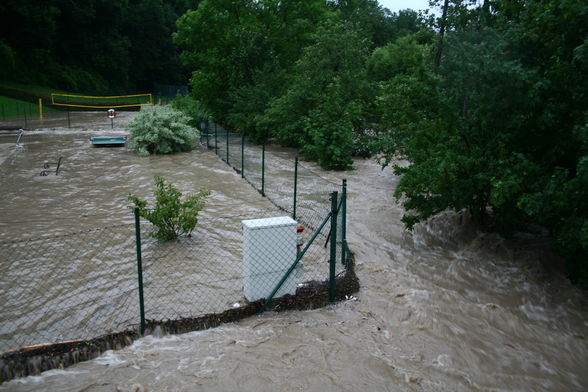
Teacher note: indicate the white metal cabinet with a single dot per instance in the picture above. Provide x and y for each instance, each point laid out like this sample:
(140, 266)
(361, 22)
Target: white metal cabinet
(269, 249)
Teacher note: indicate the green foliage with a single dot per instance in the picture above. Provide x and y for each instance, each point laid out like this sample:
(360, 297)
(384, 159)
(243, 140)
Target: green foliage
(499, 128)
(7, 60)
(329, 128)
(404, 56)
(322, 107)
(192, 108)
(161, 130)
(95, 46)
(172, 216)
(292, 70)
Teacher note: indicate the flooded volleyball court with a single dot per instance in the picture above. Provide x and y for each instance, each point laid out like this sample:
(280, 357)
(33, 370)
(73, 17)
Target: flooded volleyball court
(444, 308)
(68, 238)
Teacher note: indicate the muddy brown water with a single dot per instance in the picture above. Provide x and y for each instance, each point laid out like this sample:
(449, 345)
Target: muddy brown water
(67, 239)
(444, 308)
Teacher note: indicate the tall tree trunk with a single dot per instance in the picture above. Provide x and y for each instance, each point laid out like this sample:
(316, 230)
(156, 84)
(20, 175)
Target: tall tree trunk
(441, 34)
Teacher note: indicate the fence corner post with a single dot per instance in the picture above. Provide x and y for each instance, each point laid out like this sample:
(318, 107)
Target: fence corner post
(227, 134)
(243, 155)
(139, 269)
(295, 187)
(333, 255)
(263, 170)
(344, 222)
(215, 139)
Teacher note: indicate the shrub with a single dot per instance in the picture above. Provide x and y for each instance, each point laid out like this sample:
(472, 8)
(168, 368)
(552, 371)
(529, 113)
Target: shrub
(161, 130)
(171, 216)
(194, 109)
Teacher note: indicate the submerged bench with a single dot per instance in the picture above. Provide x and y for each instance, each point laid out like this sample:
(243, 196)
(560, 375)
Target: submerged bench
(108, 141)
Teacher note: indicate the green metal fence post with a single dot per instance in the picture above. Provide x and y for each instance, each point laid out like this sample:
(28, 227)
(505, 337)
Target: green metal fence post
(295, 188)
(227, 132)
(3, 113)
(242, 155)
(263, 170)
(139, 269)
(344, 222)
(207, 135)
(299, 257)
(333, 256)
(215, 140)
(25, 116)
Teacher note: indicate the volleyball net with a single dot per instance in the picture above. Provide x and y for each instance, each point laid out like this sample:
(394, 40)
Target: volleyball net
(101, 102)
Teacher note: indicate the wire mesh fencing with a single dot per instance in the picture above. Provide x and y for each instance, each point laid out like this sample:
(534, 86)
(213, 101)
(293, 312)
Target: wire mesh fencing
(227, 263)
(86, 284)
(292, 186)
(28, 118)
(74, 286)
(119, 280)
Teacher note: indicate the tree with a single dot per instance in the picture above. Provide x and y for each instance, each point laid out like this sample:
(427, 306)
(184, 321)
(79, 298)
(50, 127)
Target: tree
(149, 25)
(229, 44)
(499, 127)
(322, 106)
(93, 46)
(211, 38)
(193, 109)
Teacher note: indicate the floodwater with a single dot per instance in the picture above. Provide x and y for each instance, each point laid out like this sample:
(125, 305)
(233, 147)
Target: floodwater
(67, 240)
(444, 308)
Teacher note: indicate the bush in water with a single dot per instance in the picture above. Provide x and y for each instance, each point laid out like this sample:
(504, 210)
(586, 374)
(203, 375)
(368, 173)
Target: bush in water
(171, 216)
(194, 109)
(161, 130)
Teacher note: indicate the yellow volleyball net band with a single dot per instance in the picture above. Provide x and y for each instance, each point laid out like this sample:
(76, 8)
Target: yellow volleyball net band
(101, 102)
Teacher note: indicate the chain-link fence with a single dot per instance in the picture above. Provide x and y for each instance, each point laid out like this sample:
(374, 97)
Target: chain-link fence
(75, 286)
(228, 263)
(117, 280)
(276, 174)
(164, 93)
(91, 287)
(28, 118)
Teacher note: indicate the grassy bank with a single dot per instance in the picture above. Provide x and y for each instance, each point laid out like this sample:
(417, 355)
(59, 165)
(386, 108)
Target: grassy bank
(10, 108)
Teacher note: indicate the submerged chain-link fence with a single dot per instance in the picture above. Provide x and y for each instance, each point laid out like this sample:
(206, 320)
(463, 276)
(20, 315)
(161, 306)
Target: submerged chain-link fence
(27, 117)
(288, 183)
(229, 262)
(75, 286)
(85, 284)
(101, 288)
(60, 293)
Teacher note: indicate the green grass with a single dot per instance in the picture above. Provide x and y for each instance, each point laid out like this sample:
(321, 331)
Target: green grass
(10, 107)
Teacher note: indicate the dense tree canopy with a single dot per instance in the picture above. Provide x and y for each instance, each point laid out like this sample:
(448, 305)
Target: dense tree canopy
(498, 125)
(91, 45)
(290, 69)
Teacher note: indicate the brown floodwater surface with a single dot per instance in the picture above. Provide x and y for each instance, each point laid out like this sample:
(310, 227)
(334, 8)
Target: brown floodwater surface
(442, 308)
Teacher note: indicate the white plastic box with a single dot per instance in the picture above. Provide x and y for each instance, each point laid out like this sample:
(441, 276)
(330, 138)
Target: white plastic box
(269, 250)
